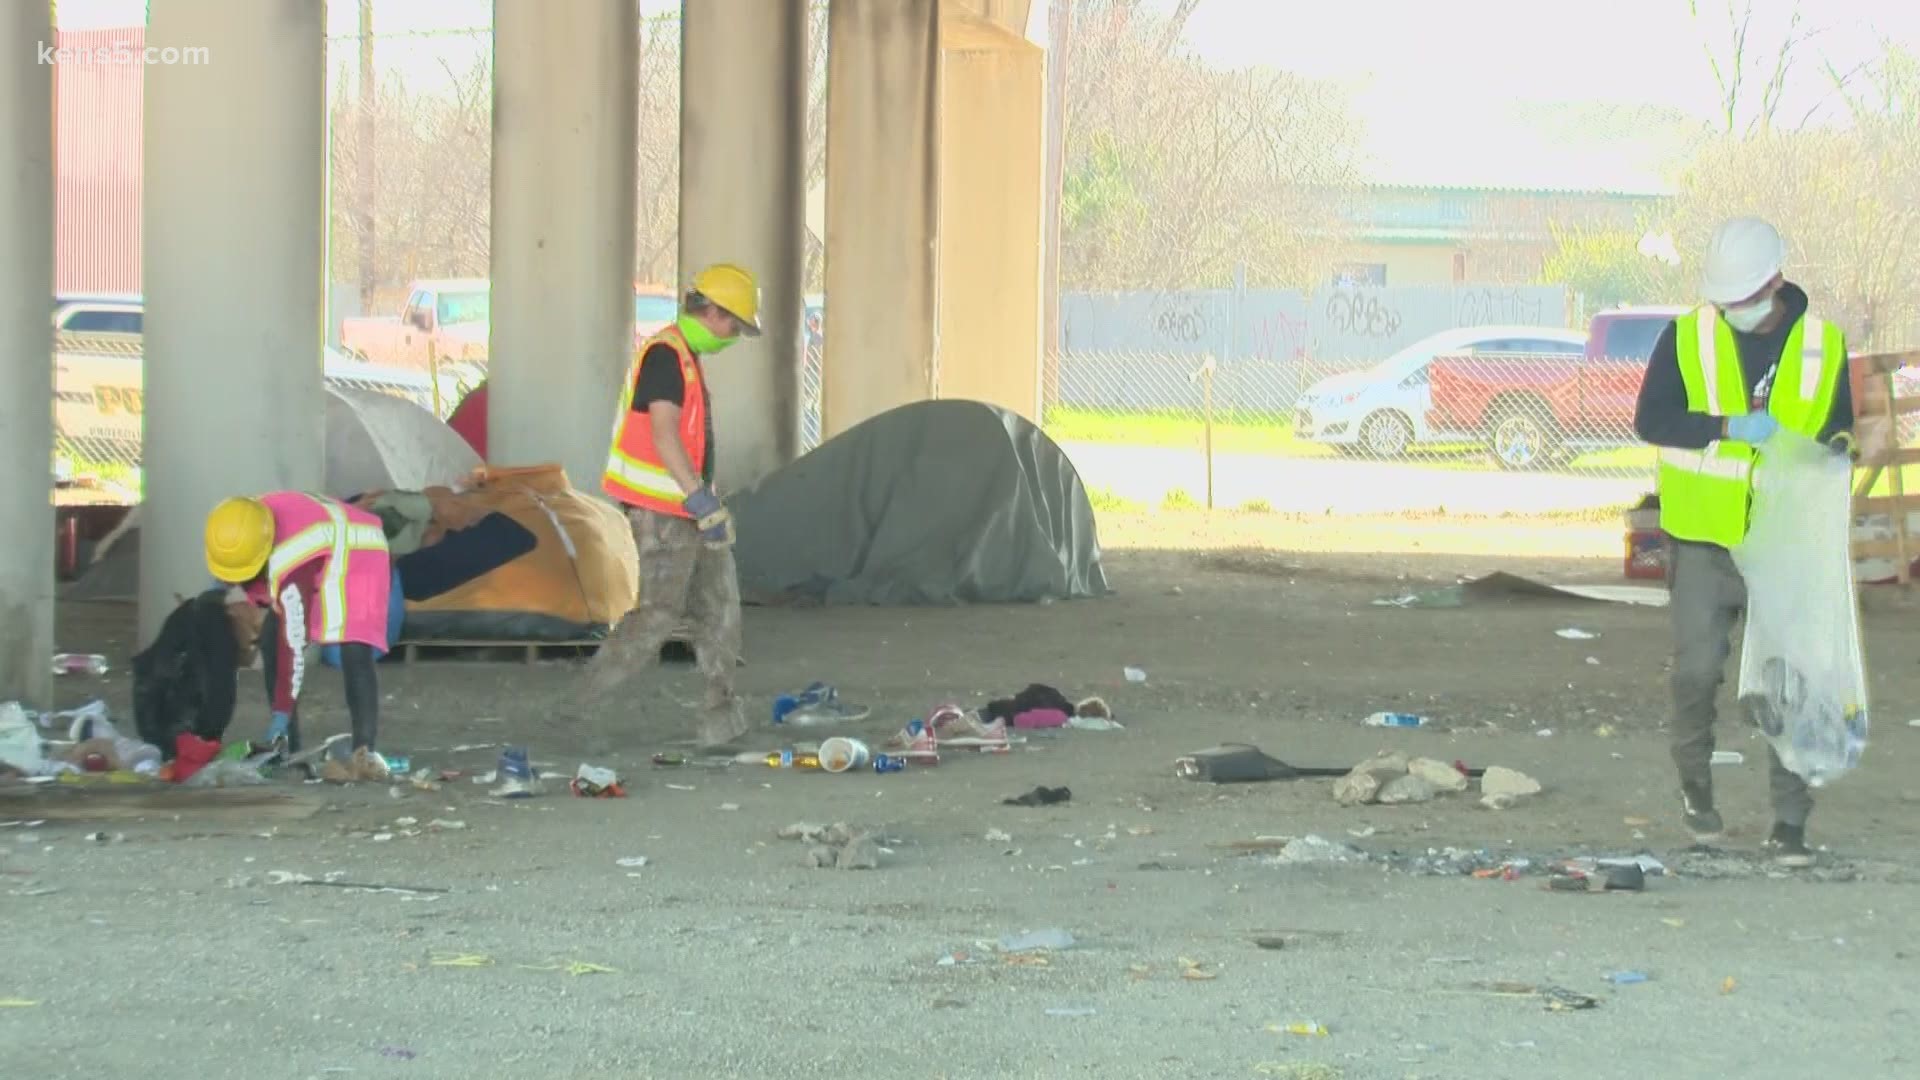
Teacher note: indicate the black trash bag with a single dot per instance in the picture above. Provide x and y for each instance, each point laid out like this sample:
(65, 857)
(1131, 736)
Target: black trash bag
(187, 680)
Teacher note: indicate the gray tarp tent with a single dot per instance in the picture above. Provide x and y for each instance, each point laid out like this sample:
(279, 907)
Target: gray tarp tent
(936, 502)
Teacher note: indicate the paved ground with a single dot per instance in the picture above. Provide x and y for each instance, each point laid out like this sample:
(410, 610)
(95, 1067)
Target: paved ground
(1144, 474)
(171, 953)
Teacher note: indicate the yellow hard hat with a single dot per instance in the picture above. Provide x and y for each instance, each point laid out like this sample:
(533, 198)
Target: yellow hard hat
(734, 291)
(239, 539)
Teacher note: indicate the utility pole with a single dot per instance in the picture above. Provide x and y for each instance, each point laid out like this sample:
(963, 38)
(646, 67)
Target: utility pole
(368, 172)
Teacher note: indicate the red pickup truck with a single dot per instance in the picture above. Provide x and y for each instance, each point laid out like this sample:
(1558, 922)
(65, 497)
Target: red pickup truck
(1529, 407)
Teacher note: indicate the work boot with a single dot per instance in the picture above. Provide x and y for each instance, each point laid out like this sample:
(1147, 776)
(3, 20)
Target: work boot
(1696, 803)
(1789, 845)
(721, 725)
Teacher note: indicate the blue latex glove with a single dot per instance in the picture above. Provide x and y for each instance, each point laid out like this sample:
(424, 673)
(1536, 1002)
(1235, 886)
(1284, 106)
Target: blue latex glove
(716, 524)
(279, 727)
(1753, 428)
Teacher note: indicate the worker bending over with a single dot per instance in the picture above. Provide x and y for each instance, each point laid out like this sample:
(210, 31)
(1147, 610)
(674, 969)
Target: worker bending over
(322, 571)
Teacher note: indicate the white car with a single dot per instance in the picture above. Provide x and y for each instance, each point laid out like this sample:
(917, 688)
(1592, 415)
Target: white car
(1381, 411)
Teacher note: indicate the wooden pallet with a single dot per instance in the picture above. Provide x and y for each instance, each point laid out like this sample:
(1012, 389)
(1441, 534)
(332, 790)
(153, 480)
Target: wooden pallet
(527, 652)
(1878, 408)
(677, 650)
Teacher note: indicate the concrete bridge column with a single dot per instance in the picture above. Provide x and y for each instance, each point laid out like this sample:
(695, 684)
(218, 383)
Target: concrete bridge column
(235, 220)
(26, 357)
(565, 115)
(883, 208)
(743, 99)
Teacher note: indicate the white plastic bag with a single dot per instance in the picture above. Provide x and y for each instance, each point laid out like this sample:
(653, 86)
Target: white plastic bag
(1803, 679)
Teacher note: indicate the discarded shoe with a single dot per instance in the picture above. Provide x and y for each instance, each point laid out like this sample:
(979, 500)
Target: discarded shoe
(1040, 796)
(518, 778)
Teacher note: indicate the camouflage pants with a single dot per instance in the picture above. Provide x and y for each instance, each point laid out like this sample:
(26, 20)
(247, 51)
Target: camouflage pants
(684, 585)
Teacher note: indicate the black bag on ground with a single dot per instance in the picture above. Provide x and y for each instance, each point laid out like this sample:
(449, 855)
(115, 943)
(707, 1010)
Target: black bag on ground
(188, 678)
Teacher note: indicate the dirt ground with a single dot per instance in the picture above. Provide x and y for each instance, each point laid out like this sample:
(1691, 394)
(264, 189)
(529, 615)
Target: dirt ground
(167, 949)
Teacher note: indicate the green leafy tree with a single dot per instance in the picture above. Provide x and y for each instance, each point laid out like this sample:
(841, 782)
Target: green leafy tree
(1607, 268)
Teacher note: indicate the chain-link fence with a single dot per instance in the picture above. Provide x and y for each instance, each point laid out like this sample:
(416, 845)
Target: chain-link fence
(1492, 431)
(99, 403)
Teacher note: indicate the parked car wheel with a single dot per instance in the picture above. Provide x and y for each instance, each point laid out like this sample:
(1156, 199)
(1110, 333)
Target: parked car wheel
(1386, 435)
(1522, 437)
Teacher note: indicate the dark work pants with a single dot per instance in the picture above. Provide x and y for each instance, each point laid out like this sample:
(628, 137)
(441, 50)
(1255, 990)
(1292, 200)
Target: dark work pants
(1707, 597)
(356, 666)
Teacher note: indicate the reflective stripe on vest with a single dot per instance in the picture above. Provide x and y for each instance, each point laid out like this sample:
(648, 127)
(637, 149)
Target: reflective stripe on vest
(635, 474)
(1705, 494)
(334, 538)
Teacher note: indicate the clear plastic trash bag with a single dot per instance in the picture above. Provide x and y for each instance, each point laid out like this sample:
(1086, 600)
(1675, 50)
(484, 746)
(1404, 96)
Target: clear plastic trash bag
(1803, 679)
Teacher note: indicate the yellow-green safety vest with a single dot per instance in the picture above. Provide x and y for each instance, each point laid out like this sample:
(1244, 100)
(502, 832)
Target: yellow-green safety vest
(1706, 495)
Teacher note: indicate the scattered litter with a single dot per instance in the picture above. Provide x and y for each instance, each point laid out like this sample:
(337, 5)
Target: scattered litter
(281, 877)
(1729, 757)
(1545, 733)
(1048, 940)
(1558, 998)
(681, 787)
(1313, 848)
(1073, 1011)
(999, 836)
(729, 806)
(1395, 719)
(1913, 723)
(837, 846)
(1727, 985)
(1196, 971)
(460, 960)
(447, 824)
(1297, 1070)
(596, 782)
(1637, 821)
(633, 862)
(399, 1052)
(1626, 978)
(106, 838)
(465, 747)
(1270, 943)
(1134, 674)
(1572, 633)
(1094, 723)
(1362, 834)
(1040, 796)
(1299, 1027)
(1677, 924)
(1239, 763)
(571, 967)
(17, 1003)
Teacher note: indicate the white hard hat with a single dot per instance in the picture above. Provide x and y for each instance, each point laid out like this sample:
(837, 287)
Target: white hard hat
(1744, 254)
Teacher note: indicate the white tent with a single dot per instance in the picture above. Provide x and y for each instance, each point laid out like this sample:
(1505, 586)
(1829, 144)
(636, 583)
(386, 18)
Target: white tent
(377, 441)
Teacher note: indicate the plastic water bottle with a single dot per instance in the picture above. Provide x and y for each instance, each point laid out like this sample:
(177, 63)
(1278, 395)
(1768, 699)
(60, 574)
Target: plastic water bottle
(787, 759)
(1395, 719)
(67, 663)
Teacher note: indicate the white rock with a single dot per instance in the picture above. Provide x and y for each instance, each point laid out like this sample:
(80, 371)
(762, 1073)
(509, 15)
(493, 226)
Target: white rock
(1406, 789)
(1356, 789)
(1442, 775)
(1512, 783)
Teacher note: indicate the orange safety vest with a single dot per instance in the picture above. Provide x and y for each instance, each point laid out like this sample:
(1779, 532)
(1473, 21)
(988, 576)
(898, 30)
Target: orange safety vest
(635, 474)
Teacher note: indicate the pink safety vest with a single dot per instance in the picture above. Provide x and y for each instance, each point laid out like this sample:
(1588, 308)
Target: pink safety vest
(350, 601)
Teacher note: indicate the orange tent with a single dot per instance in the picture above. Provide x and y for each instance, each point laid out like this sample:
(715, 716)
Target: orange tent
(581, 578)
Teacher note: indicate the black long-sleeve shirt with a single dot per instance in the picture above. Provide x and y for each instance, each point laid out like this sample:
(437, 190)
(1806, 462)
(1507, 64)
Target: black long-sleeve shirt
(1661, 417)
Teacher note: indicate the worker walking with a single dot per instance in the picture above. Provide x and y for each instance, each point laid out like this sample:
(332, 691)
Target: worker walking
(322, 571)
(1723, 379)
(660, 468)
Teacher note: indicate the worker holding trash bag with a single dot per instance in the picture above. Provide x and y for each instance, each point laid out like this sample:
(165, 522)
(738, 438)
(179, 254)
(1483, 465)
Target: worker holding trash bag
(660, 467)
(1725, 378)
(322, 570)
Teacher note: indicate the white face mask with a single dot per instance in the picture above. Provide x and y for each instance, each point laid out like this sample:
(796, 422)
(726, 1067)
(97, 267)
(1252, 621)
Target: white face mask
(1748, 319)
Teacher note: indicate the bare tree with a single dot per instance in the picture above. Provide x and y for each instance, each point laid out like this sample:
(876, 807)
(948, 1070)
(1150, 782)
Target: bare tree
(1177, 172)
